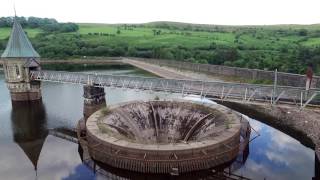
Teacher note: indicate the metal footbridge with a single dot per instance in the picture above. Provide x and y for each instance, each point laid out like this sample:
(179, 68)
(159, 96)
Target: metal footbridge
(210, 89)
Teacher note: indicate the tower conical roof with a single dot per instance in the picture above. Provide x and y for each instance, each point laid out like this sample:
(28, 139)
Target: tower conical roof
(32, 150)
(19, 45)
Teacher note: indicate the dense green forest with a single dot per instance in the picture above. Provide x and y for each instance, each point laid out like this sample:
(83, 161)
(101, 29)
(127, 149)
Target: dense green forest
(289, 48)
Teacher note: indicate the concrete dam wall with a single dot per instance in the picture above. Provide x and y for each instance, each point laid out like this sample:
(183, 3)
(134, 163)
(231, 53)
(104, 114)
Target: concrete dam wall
(284, 79)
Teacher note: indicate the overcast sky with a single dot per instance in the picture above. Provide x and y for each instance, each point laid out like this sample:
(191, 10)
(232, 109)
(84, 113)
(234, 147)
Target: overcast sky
(228, 12)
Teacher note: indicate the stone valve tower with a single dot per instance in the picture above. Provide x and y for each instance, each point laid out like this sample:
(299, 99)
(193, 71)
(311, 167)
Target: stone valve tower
(20, 59)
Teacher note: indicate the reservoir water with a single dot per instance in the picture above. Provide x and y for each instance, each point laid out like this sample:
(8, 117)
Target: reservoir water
(28, 152)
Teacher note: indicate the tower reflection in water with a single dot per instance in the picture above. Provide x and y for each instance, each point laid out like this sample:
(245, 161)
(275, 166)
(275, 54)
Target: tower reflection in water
(29, 128)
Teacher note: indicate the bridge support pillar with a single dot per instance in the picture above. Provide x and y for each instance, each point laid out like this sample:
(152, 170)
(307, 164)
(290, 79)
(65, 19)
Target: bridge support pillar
(25, 91)
(317, 168)
(94, 99)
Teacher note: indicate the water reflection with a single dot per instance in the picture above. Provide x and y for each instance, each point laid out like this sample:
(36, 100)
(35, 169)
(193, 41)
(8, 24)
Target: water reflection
(29, 128)
(275, 155)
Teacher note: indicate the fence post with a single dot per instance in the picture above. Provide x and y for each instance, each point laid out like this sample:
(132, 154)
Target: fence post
(310, 99)
(275, 82)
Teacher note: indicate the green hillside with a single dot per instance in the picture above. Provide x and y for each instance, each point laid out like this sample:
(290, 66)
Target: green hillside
(286, 47)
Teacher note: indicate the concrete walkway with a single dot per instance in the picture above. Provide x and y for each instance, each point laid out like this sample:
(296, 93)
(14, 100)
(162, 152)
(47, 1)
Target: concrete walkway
(171, 73)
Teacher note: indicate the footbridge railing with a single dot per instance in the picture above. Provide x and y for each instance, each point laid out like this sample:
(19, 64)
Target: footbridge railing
(210, 89)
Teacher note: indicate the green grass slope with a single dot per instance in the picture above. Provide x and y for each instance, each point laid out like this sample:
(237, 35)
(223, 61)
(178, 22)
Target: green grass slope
(285, 47)
(5, 32)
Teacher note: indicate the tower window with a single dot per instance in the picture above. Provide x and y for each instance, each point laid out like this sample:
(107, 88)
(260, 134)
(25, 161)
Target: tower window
(17, 71)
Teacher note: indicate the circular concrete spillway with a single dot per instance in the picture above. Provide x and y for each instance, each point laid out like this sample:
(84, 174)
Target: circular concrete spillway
(164, 136)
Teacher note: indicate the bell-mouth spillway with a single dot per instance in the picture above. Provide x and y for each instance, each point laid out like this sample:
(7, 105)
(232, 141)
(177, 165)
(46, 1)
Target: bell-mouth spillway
(165, 136)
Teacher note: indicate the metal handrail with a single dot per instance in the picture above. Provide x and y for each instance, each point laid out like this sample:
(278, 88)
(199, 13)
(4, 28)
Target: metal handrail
(247, 92)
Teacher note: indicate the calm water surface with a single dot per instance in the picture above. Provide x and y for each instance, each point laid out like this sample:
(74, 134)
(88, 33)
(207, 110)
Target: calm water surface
(27, 151)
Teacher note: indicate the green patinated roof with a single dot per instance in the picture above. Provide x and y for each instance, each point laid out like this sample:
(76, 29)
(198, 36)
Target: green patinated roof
(19, 45)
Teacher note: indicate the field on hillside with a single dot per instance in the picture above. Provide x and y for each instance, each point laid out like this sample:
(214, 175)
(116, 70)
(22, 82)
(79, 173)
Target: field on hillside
(144, 36)
(5, 32)
(285, 47)
(264, 39)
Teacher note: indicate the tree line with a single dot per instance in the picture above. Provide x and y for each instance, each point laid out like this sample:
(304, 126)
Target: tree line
(46, 24)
